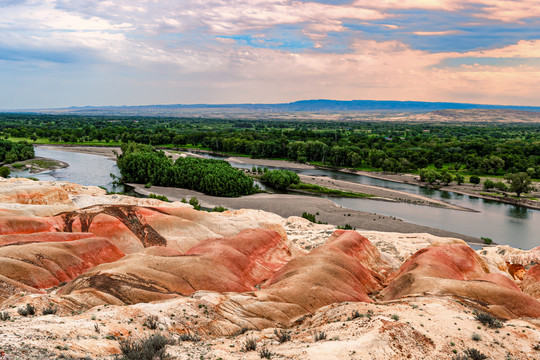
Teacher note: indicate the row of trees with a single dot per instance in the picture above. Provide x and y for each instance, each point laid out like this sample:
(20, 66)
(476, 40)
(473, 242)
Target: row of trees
(392, 147)
(144, 165)
(519, 183)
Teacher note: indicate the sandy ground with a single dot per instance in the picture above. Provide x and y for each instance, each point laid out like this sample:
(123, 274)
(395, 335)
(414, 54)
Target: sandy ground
(294, 205)
(94, 150)
(388, 194)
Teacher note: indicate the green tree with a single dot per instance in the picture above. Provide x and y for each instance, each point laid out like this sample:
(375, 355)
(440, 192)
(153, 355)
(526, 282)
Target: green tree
(519, 183)
(4, 172)
(459, 179)
(474, 179)
(488, 184)
(446, 177)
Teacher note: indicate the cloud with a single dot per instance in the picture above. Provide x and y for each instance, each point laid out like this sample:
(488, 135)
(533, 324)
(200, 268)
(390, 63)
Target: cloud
(270, 50)
(436, 33)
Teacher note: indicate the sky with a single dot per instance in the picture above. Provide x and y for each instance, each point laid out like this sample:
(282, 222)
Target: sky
(59, 53)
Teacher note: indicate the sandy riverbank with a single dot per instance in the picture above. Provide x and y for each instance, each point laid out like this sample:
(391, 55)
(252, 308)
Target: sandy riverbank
(294, 205)
(387, 194)
(107, 151)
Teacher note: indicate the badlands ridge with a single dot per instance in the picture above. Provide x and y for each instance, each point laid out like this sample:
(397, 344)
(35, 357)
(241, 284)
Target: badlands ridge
(106, 264)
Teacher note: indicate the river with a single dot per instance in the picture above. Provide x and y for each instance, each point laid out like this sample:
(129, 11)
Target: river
(504, 223)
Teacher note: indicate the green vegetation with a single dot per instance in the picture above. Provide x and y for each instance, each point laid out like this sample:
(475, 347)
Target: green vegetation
(219, 209)
(280, 179)
(470, 148)
(143, 164)
(487, 320)
(317, 189)
(4, 172)
(487, 240)
(149, 348)
(159, 197)
(519, 183)
(11, 152)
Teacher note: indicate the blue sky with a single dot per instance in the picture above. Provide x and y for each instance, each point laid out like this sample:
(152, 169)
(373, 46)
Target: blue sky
(57, 53)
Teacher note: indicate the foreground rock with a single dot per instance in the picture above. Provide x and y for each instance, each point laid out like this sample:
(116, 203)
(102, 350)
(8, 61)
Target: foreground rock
(109, 268)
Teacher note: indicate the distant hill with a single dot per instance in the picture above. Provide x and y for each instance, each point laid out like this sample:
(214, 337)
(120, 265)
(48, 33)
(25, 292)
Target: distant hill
(275, 110)
(330, 105)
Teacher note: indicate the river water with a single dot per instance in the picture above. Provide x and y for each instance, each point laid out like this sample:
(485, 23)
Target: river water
(504, 223)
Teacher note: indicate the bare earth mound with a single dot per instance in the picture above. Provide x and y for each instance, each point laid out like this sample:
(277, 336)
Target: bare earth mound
(101, 269)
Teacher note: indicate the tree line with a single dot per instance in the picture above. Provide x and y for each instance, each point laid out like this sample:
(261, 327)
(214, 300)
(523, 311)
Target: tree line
(482, 149)
(142, 164)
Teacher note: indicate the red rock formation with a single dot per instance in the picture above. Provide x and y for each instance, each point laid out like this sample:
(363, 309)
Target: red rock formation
(457, 270)
(223, 265)
(19, 239)
(347, 268)
(44, 265)
(531, 282)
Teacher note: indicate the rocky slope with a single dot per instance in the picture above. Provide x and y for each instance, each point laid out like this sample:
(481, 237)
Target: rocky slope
(100, 269)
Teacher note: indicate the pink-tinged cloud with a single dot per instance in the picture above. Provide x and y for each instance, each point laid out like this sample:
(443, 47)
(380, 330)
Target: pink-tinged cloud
(436, 33)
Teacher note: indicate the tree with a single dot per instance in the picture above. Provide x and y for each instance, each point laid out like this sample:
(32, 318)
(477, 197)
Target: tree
(519, 183)
(4, 172)
(474, 179)
(460, 179)
(488, 184)
(446, 177)
(429, 175)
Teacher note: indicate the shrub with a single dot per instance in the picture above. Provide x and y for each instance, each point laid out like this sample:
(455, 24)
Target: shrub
(189, 337)
(487, 240)
(250, 345)
(4, 316)
(476, 337)
(488, 184)
(346, 227)
(282, 336)
(471, 354)
(158, 197)
(319, 335)
(499, 185)
(151, 322)
(309, 217)
(356, 314)
(148, 348)
(265, 353)
(474, 179)
(195, 203)
(50, 310)
(219, 209)
(4, 172)
(27, 310)
(487, 320)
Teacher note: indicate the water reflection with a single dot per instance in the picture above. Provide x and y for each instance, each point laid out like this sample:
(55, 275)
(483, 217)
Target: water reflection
(518, 212)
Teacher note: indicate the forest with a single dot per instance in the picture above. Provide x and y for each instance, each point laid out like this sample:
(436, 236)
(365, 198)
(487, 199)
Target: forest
(11, 151)
(474, 148)
(144, 165)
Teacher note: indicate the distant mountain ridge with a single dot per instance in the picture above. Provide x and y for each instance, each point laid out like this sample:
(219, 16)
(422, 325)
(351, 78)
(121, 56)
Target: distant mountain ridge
(326, 105)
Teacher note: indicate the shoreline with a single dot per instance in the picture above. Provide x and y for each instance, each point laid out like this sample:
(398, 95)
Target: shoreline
(108, 151)
(287, 205)
(409, 179)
